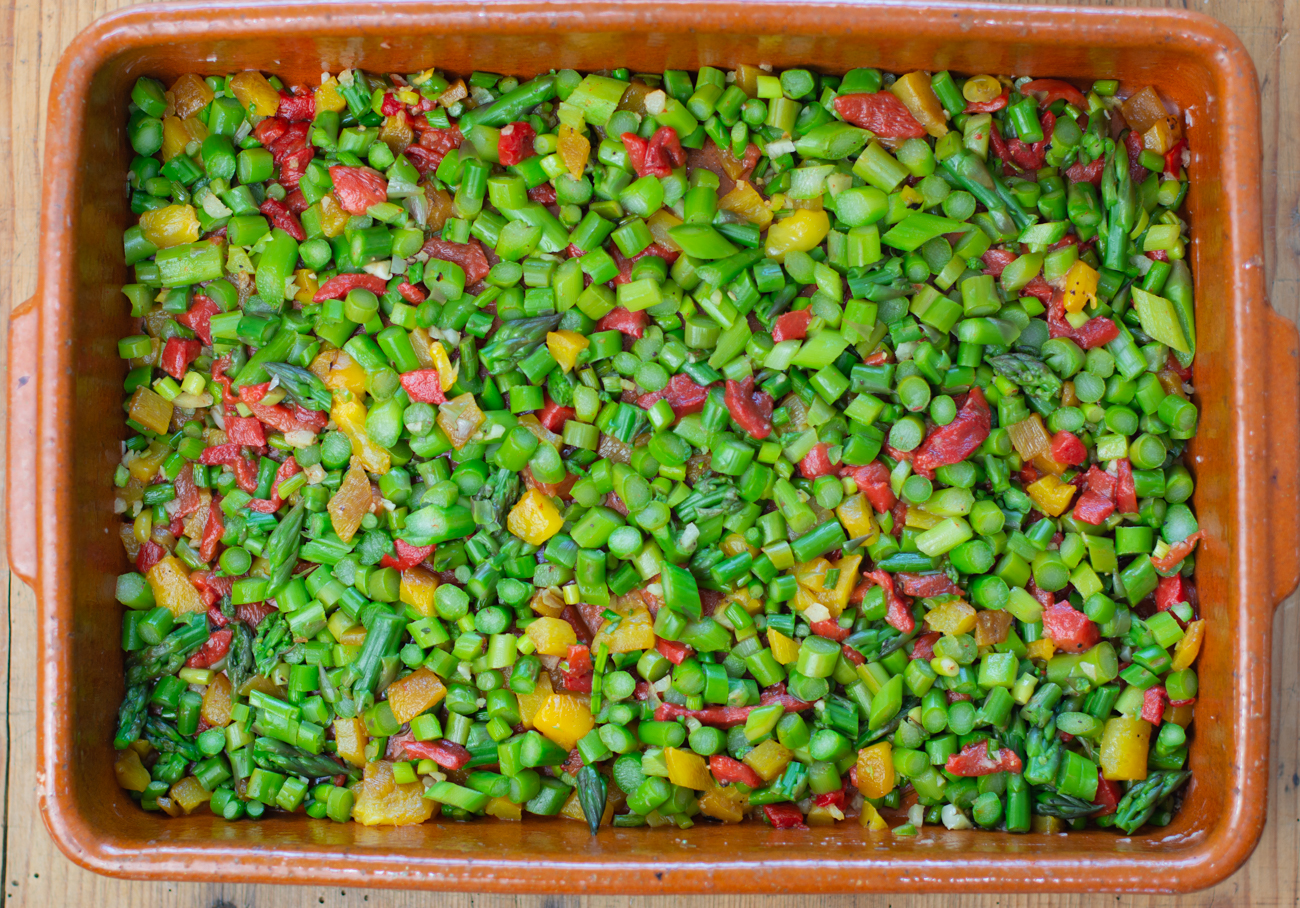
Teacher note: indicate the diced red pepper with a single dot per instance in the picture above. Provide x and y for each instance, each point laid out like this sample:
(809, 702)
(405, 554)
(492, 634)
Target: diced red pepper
(671, 650)
(1068, 449)
(1068, 628)
(1125, 493)
(1029, 156)
(292, 418)
(515, 143)
(1158, 255)
(1049, 91)
(682, 394)
(927, 585)
(212, 531)
(432, 146)
(923, 646)
(232, 455)
(730, 771)
(633, 324)
(1101, 482)
(1154, 701)
(956, 441)
(544, 194)
(1177, 552)
(271, 505)
(280, 216)
(830, 628)
(657, 156)
(245, 430)
(269, 130)
(358, 188)
(447, 754)
(834, 798)
(996, 260)
(1134, 145)
(553, 416)
(199, 317)
(1086, 173)
(178, 354)
(1093, 508)
(577, 669)
(408, 556)
(424, 386)
(974, 760)
(297, 107)
(817, 462)
(784, 816)
(899, 614)
(872, 480)
(751, 410)
(791, 325)
(211, 588)
(338, 286)
(1093, 333)
(150, 553)
(882, 113)
(1174, 158)
(211, 652)
(1108, 795)
(469, 256)
(731, 716)
(989, 106)
(1169, 592)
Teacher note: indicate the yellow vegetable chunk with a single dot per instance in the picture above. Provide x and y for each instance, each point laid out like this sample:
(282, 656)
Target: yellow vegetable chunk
(146, 464)
(333, 219)
(340, 372)
(548, 602)
(1029, 438)
(876, 770)
(1189, 647)
(687, 769)
(1080, 286)
(307, 283)
(382, 801)
(1050, 495)
(534, 518)
(191, 94)
(418, 588)
(564, 718)
(744, 200)
(351, 737)
(572, 810)
(565, 346)
(784, 650)
(252, 89)
(419, 691)
(1143, 109)
(951, 618)
(328, 97)
(800, 232)
(460, 418)
(438, 359)
(529, 704)
(350, 417)
(504, 809)
(1124, 744)
(1041, 649)
(574, 149)
(171, 225)
(217, 702)
(150, 410)
(871, 819)
(769, 759)
(660, 223)
(130, 772)
(351, 502)
(172, 589)
(396, 133)
(726, 804)
(189, 793)
(552, 636)
(858, 518)
(635, 631)
(918, 96)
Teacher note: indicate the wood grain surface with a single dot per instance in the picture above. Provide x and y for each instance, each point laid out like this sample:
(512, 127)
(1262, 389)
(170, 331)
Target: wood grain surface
(33, 33)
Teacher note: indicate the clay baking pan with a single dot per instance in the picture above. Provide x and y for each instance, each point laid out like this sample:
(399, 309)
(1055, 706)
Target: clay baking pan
(65, 424)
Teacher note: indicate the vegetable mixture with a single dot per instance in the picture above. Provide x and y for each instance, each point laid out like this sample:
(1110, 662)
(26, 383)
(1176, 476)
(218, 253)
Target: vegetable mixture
(654, 449)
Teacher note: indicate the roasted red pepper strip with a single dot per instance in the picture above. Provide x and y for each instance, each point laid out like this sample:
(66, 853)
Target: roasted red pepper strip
(245, 430)
(150, 554)
(873, 481)
(958, 440)
(974, 760)
(358, 188)
(1068, 449)
(1125, 493)
(1108, 795)
(408, 556)
(880, 112)
(446, 754)
(656, 157)
(1177, 552)
(212, 531)
(280, 216)
(177, 356)
(928, 585)
(211, 652)
(1048, 91)
(469, 256)
(633, 324)
(424, 386)
(751, 410)
(271, 505)
(338, 286)
(515, 143)
(730, 771)
(923, 646)
(1068, 628)
(791, 325)
(899, 615)
(1169, 592)
(682, 394)
(989, 106)
(784, 816)
(674, 652)
(1093, 508)
(199, 317)
(830, 628)
(817, 462)
(1154, 701)
(553, 416)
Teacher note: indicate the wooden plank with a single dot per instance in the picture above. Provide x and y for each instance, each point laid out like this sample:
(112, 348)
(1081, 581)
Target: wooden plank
(33, 33)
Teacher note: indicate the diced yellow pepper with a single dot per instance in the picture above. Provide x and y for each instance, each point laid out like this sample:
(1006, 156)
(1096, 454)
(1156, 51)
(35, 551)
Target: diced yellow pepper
(572, 810)
(382, 801)
(176, 136)
(418, 692)
(837, 597)
(951, 618)
(812, 574)
(660, 223)
(687, 769)
(172, 588)
(307, 283)
(744, 200)
(1028, 437)
(350, 417)
(217, 702)
(252, 89)
(871, 819)
(150, 410)
(635, 631)
(351, 737)
(130, 772)
(396, 133)
(1050, 495)
(340, 372)
(328, 97)
(1041, 650)
(529, 704)
(504, 809)
(565, 346)
(574, 149)
(858, 518)
(733, 544)
(191, 94)
(1045, 464)
(917, 95)
(534, 518)
(1080, 286)
(552, 636)
(876, 770)
(1179, 715)
(920, 519)
(823, 816)
(189, 793)
(460, 418)
(1159, 138)
(800, 232)
(447, 373)
(784, 650)
(769, 759)
(564, 718)
(1189, 647)
(351, 502)
(333, 219)
(144, 466)
(751, 604)
(548, 602)
(726, 804)
(1124, 744)
(171, 225)
(418, 588)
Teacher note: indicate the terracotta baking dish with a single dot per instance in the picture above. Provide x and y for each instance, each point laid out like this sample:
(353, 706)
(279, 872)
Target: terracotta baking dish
(65, 425)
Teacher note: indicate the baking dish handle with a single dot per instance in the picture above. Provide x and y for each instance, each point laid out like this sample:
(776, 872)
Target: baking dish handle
(20, 529)
(1283, 409)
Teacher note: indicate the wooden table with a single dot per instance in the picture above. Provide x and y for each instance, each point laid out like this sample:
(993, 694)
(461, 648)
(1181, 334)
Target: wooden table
(33, 872)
